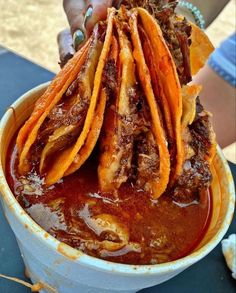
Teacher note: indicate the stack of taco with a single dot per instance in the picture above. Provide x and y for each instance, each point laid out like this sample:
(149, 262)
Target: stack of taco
(127, 90)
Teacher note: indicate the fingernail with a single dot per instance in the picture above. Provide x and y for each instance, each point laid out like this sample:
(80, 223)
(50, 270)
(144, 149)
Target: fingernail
(116, 3)
(87, 15)
(78, 38)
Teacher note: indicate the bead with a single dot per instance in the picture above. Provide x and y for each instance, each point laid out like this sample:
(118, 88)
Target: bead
(195, 12)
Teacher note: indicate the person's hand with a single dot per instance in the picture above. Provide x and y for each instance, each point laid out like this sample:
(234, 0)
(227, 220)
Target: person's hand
(82, 15)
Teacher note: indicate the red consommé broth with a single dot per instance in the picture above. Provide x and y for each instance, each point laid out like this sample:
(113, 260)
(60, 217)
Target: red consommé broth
(155, 231)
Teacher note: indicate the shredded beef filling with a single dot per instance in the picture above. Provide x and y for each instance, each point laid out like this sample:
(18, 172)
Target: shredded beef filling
(147, 159)
(109, 79)
(176, 34)
(196, 170)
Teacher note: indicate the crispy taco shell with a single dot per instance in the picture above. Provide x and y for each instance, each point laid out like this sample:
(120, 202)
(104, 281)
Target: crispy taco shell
(200, 49)
(66, 157)
(78, 106)
(117, 140)
(94, 133)
(28, 133)
(124, 85)
(159, 185)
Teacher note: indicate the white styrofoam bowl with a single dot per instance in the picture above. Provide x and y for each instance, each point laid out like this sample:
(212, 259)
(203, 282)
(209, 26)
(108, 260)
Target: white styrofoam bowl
(68, 270)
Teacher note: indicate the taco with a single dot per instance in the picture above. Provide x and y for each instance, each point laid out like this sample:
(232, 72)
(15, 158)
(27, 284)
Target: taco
(107, 90)
(76, 106)
(66, 157)
(127, 90)
(117, 138)
(157, 184)
(54, 93)
(64, 113)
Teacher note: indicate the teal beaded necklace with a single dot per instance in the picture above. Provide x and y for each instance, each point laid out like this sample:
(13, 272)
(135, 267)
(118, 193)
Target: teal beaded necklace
(195, 12)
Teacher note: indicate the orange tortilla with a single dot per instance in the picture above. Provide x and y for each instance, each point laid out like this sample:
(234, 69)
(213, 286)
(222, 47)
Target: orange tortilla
(28, 133)
(158, 90)
(169, 80)
(159, 185)
(85, 80)
(92, 137)
(95, 130)
(200, 49)
(66, 157)
(111, 173)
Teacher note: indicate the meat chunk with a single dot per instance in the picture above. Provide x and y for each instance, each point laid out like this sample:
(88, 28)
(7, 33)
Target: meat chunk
(196, 173)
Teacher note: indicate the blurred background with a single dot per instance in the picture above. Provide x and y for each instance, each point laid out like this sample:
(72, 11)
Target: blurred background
(30, 27)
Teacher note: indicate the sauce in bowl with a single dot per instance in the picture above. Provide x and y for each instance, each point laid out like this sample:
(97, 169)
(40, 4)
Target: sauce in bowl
(128, 227)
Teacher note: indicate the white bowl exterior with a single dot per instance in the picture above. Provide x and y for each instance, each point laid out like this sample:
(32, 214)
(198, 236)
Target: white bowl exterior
(69, 270)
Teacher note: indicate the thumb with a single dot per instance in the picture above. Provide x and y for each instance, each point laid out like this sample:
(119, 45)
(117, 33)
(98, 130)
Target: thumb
(97, 11)
(75, 11)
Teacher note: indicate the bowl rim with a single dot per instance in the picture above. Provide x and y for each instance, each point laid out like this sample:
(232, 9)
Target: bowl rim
(96, 263)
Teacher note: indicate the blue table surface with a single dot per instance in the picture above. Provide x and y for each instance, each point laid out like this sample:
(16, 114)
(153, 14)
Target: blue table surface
(17, 75)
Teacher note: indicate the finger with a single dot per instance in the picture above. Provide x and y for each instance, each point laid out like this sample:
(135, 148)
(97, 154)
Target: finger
(99, 12)
(75, 11)
(65, 44)
(116, 3)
